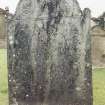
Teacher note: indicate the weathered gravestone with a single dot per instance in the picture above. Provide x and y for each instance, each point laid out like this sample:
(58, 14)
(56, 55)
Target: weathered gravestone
(49, 54)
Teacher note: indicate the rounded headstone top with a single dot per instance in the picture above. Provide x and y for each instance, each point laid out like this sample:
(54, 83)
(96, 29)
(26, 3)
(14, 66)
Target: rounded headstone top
(2, 11)
(43, 8)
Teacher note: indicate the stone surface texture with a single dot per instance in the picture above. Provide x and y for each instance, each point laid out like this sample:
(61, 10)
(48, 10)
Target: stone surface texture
(49, 54)
(3, 32)
(98, 46)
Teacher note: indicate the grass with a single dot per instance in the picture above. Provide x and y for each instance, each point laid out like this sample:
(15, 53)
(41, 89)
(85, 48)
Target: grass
(3, 78)
(99, 86)
(98, 82)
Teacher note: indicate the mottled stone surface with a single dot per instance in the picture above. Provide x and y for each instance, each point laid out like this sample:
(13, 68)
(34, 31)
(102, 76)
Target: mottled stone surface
(49, 54)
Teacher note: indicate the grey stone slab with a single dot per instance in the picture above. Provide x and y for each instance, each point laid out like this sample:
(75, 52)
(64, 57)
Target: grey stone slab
(49, 54)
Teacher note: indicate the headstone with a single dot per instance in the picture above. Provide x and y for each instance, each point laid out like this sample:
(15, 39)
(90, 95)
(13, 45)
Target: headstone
(49, 54)
(2, 24)
(3, 32)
